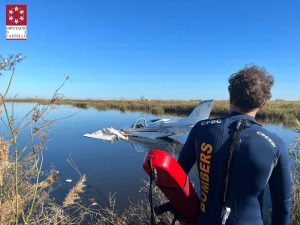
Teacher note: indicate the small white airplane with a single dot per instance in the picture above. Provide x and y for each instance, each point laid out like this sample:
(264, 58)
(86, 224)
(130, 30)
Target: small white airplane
(157, 128)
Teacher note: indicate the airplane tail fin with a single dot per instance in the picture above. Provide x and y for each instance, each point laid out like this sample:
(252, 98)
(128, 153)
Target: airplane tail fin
(201, 112)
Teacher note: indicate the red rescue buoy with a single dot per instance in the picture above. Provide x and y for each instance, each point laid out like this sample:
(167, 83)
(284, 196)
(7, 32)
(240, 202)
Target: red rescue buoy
(174, 183)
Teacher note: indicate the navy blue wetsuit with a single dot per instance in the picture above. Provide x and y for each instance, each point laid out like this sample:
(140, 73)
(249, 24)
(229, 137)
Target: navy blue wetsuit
(260, 159)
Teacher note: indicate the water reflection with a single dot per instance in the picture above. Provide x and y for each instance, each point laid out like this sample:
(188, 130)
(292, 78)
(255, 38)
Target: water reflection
(141, 144)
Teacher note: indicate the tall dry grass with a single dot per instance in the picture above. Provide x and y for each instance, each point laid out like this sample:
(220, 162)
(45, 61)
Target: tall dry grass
(24, 186)
(295, 154)
(274, 111)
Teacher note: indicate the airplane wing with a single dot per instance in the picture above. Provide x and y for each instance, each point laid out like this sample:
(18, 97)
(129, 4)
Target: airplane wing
(109, 134)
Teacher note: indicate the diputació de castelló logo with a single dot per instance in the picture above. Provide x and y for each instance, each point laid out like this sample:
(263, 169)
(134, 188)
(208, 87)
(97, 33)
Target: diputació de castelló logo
(16, 22)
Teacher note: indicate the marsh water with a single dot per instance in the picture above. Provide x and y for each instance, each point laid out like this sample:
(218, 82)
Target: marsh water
(109, 167)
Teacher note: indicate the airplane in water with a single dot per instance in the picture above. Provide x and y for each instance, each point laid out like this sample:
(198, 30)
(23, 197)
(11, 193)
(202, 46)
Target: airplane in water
(156, 128)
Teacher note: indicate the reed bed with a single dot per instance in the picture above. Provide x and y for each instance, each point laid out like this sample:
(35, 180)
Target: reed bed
(274, 111)
(295, 155)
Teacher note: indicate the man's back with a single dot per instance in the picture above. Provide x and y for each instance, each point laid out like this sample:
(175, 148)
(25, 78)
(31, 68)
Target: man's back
(252, 167)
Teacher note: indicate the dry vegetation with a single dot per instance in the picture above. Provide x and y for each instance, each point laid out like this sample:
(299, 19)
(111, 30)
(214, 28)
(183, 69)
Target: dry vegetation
(295, 154)
(274, 111)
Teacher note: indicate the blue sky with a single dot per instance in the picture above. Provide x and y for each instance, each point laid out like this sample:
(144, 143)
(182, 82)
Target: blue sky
(159, 49)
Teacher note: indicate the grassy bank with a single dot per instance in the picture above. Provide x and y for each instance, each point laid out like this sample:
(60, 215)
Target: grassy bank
(285, 111)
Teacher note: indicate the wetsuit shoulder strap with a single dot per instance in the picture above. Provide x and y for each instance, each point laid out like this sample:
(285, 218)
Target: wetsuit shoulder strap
(241, 124)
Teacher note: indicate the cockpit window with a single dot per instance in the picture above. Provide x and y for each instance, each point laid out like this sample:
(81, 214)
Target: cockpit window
(139, 126)
(139, 123)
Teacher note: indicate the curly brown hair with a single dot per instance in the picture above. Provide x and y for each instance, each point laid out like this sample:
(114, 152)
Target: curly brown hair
(250, 87)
